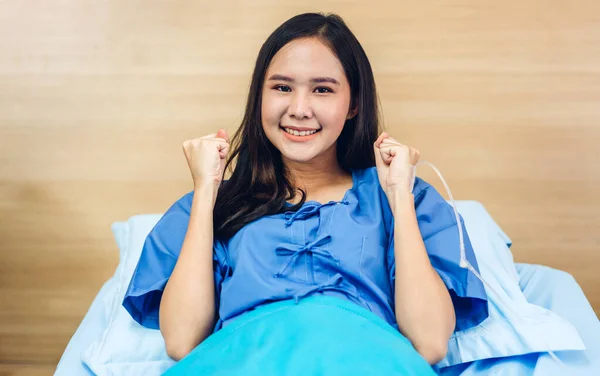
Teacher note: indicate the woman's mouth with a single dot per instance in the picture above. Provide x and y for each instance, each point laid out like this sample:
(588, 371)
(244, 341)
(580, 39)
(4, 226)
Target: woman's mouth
(299, 134)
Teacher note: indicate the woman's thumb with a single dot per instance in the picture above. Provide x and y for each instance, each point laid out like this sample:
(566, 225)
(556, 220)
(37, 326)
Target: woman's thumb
(378, 159)
(222, 133)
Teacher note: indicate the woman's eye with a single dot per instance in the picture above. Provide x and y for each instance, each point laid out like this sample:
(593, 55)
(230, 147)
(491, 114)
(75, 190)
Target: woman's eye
(279, 87)
(326, 90)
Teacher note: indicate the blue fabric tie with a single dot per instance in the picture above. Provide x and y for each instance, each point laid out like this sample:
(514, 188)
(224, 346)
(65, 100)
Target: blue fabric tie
(309, 209)
(336, 283)
(292, 250)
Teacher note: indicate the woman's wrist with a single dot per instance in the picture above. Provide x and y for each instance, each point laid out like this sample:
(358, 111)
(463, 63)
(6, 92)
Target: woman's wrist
(206, 192)
(401, 201)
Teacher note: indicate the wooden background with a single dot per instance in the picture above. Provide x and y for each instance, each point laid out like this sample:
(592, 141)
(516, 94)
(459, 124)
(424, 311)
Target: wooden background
(96, 98)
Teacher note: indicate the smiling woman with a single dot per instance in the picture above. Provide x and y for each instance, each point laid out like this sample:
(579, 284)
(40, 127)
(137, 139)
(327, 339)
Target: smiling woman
(302, 233)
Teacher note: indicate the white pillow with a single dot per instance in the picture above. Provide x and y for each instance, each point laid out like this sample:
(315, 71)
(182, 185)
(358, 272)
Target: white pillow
(125, 347)
(120, 231)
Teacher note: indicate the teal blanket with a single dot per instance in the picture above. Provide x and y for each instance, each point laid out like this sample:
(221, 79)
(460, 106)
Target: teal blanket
(316, 336)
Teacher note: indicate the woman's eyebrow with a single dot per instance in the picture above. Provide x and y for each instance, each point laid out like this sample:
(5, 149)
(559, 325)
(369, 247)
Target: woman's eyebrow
(280, 77)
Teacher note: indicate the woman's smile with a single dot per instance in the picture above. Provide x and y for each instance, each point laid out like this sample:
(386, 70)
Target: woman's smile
(299, 134)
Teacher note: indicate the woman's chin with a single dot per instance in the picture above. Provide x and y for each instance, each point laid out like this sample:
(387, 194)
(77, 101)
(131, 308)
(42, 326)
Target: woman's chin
(297, 157)
(305, 153)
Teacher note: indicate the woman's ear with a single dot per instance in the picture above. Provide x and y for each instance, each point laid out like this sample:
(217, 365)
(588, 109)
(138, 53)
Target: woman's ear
(352, 113)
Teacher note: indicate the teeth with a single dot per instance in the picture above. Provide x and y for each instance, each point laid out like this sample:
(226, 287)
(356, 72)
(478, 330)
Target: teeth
(299, 133)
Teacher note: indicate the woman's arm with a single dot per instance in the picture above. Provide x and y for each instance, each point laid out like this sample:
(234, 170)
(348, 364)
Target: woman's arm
(187, 308)
(424, 309)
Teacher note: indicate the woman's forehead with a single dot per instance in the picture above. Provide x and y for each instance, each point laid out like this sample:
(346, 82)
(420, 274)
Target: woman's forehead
(306, 58)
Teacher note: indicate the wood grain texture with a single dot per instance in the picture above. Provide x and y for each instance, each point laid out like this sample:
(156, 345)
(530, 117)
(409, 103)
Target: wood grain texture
(26, 369)
(97, 96)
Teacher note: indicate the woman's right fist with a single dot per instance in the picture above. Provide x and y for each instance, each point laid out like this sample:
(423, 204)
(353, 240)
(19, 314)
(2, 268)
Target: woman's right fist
(206, 157)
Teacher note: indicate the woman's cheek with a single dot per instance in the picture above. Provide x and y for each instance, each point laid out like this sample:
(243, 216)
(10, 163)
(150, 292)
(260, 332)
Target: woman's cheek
(276, 108)
(335, 119)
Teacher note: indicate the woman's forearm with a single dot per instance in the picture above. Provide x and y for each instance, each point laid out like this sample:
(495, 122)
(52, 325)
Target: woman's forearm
(187, 308)
(424, 310)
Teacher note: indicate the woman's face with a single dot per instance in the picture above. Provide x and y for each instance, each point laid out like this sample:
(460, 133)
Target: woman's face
(305, 100)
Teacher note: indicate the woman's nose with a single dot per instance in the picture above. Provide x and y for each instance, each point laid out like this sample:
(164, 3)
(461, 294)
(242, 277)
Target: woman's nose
(299, 106)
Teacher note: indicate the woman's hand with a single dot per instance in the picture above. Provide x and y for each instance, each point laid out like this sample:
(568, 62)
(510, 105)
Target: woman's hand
(395, 166)
(206, 157)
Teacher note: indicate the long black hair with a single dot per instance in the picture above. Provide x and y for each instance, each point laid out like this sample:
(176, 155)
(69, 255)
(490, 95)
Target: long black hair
(259, 184)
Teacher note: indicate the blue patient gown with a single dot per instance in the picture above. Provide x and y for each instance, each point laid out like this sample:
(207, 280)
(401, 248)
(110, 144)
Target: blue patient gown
(333, 260)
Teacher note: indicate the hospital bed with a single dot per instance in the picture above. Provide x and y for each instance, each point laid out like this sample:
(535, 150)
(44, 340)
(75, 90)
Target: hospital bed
(546, 287)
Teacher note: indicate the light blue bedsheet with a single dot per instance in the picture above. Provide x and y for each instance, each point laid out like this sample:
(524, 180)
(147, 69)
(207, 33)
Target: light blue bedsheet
(559, 292)
(549, 288)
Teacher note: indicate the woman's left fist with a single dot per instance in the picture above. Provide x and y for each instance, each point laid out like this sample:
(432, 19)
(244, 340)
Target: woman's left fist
(395, 165)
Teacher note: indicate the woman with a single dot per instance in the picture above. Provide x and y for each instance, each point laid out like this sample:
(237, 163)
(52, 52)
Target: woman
(317, 255)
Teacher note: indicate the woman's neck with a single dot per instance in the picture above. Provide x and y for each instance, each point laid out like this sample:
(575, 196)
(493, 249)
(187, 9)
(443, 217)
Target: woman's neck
(318, 177)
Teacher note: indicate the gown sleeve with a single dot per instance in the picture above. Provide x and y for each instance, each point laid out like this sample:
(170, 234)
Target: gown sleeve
(157, 261)
(438, 228)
